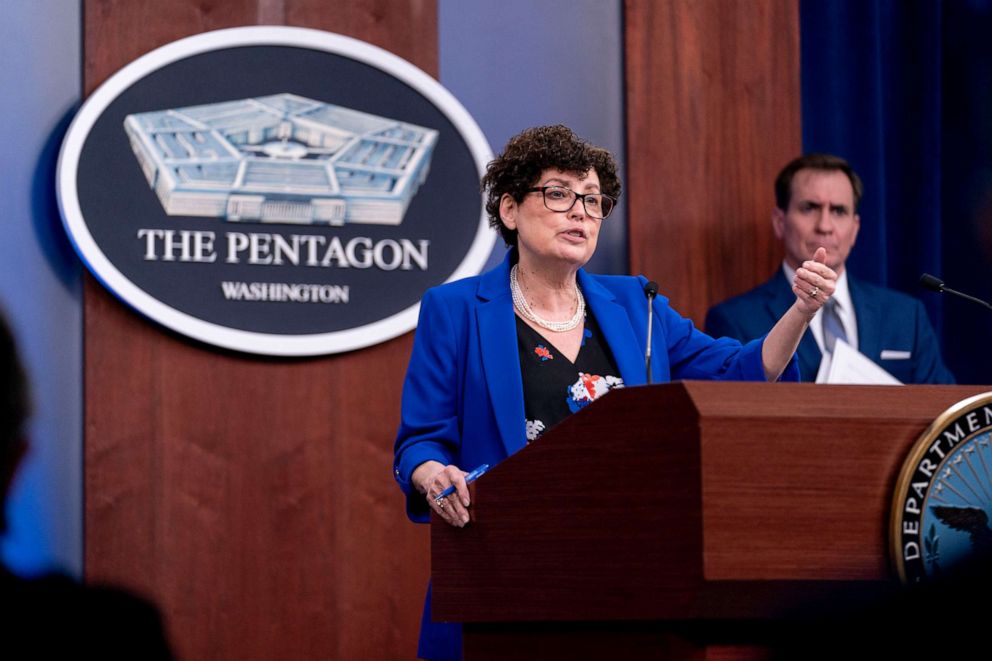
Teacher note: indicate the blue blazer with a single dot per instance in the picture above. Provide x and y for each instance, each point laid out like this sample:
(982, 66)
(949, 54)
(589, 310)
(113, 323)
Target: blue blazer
(464, 382)
(887, 320)
(463, 395)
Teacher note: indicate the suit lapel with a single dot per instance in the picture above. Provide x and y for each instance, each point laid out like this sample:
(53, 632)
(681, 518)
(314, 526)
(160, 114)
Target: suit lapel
(780, 298)
(615, 324)
(500, 358)
(810, 357)
(869, 343)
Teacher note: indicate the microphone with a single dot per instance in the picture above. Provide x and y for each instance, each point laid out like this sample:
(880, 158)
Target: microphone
(933, 283)
(650, 291)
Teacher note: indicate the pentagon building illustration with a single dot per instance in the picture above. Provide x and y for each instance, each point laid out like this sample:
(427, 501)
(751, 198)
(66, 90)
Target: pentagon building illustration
(281, 159)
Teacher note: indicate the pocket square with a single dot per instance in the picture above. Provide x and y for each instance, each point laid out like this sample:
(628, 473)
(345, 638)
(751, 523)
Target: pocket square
(892, 354)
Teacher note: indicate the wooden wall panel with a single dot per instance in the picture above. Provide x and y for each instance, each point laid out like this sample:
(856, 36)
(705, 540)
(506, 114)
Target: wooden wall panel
(713, 112)
(251, 498)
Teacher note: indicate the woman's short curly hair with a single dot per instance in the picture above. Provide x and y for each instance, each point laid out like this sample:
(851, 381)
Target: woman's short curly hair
(533, 151)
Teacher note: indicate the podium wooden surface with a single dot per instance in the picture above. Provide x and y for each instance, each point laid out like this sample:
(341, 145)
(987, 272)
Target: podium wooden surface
(687, 503)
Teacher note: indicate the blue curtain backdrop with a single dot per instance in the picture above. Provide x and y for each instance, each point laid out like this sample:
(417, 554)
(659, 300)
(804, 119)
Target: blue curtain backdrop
(903, 90)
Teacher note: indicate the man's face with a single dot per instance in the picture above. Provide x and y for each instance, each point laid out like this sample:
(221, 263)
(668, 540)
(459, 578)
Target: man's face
(820, 213)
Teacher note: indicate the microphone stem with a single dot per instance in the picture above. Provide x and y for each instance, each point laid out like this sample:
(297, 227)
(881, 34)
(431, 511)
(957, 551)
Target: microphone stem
(970, 298)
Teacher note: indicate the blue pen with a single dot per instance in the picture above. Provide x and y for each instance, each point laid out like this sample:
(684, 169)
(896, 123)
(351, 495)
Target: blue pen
(469, 479)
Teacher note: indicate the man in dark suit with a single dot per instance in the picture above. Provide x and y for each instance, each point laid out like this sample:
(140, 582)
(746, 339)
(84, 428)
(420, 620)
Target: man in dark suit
(816, 199)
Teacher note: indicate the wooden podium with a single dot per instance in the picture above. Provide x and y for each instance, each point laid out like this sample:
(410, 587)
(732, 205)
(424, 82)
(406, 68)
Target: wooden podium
(681, 520)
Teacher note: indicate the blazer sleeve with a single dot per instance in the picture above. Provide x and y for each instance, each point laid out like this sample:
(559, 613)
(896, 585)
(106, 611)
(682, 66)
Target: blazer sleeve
(429, 427)
(696, 355)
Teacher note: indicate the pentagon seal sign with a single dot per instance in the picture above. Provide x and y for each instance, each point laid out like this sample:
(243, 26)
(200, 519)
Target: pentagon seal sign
(943, 500)
(275, 190)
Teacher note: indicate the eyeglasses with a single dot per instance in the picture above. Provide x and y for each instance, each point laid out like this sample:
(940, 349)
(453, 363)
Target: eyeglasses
(559, 198)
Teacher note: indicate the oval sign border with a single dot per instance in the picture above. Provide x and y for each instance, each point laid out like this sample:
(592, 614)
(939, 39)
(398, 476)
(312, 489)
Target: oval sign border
(259, 343)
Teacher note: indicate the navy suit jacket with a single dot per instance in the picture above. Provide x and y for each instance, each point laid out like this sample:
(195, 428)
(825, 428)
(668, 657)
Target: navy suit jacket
(463, 395)
(887, 320)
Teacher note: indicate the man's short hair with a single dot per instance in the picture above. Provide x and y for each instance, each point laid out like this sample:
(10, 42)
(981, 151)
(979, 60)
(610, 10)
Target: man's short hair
(822, 162)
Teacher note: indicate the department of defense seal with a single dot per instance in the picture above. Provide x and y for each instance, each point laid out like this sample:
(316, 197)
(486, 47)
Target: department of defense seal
(943, 498)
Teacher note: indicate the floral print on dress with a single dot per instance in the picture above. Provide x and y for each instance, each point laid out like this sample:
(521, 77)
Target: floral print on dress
(543, 353)
(588, 388)
(534, 429)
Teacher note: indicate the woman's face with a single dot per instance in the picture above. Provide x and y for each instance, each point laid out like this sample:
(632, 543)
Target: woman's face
(551, 239)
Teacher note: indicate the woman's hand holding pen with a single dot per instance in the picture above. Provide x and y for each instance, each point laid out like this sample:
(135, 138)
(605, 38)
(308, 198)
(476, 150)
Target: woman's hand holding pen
(431, 479)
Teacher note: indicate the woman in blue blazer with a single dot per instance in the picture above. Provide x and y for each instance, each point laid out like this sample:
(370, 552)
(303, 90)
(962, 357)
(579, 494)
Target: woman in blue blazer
(501, 357)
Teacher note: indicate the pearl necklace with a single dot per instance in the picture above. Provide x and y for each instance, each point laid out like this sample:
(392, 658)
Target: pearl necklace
(520, 303)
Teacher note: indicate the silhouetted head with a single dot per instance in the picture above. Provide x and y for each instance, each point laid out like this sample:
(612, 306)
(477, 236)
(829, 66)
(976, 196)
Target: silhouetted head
(14, 409)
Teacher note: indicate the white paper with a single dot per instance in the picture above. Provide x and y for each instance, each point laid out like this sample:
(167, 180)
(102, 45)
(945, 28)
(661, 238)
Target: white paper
(848, 365)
